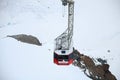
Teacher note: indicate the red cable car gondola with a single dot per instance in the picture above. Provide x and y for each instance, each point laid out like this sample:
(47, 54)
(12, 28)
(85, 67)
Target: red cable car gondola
(63, 53)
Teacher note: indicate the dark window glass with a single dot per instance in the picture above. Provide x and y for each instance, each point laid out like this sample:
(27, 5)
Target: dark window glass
(63, 52)
(63, 57)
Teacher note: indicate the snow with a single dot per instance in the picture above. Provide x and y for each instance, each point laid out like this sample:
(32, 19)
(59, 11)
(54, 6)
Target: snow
(96, 30)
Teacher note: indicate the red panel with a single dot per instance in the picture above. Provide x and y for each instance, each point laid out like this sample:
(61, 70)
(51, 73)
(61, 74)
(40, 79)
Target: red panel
(69, 62)
(55, 61)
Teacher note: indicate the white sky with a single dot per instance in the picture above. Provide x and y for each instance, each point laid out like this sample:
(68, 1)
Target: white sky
(96, 29)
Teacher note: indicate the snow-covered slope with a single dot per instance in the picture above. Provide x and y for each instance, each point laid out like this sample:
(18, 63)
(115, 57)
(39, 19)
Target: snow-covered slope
(96, 30)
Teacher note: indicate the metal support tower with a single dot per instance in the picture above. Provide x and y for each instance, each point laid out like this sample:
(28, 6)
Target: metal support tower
(64, 41)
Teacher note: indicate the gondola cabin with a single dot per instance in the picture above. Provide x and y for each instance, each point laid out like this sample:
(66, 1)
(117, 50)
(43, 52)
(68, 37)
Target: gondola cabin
(63, 57)
(63, 51)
